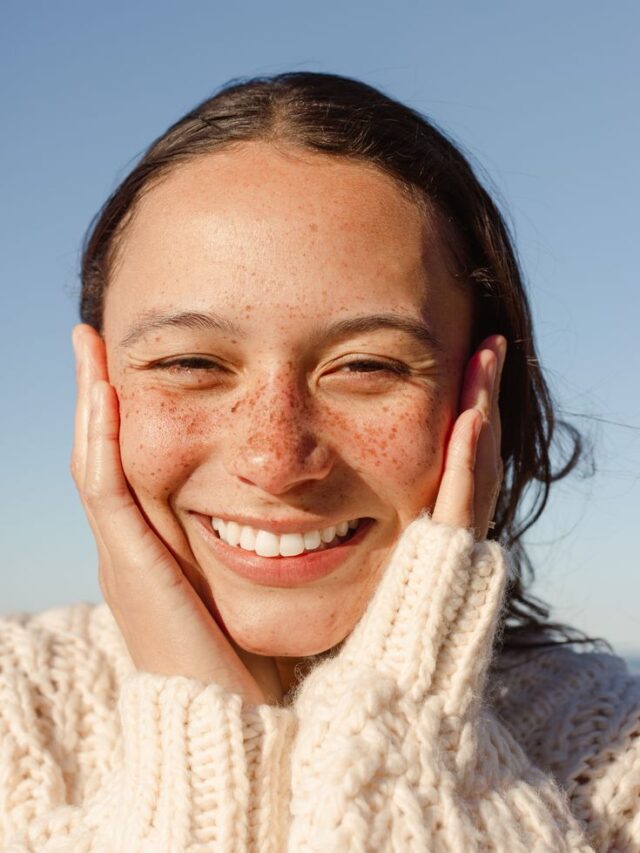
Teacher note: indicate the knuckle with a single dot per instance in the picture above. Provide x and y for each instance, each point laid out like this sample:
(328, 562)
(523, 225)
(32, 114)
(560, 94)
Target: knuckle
(93, 493)
(104, 494)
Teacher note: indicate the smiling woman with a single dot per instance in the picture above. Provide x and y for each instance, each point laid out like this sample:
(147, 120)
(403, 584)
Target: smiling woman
(308, 396)
(308, 393)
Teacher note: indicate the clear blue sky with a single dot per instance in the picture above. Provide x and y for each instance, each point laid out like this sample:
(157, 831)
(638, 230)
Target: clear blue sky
(543, 96)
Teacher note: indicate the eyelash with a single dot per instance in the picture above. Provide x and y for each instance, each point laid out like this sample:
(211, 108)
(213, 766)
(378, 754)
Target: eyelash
(187, 364)
(370, 365)
(379, 366)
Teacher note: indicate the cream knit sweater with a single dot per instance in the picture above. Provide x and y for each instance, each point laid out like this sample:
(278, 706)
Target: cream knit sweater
(401, 741)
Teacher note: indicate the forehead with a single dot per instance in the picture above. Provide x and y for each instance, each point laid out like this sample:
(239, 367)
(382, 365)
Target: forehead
(282, 228)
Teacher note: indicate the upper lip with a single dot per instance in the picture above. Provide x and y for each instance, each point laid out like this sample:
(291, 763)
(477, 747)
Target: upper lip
(280, 526)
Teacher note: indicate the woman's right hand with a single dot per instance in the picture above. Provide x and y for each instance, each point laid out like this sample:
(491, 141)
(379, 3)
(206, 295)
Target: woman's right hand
(165, 624)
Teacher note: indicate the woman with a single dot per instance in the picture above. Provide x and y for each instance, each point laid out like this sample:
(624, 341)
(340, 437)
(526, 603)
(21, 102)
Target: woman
(300, 311)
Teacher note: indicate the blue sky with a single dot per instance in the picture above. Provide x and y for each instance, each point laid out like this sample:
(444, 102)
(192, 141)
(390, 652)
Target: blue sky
(542, 96)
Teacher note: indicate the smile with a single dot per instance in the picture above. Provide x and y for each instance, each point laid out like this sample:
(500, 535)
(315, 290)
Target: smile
(306, 565)
(268, 544)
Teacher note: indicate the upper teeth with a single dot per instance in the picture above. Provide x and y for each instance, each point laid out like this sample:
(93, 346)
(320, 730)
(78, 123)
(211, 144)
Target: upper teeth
(267, 544)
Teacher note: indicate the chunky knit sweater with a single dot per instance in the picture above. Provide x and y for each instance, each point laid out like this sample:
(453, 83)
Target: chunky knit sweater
(408, 738)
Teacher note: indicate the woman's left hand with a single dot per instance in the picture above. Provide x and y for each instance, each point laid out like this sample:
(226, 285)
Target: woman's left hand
(473, 469)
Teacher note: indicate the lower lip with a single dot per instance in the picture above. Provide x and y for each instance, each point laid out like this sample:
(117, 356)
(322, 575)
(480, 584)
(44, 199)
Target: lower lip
(282, 571)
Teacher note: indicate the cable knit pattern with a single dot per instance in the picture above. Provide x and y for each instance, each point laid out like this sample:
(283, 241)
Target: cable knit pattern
(408, 738)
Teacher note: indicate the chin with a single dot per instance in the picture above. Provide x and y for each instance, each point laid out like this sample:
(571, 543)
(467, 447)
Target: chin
(284, 640)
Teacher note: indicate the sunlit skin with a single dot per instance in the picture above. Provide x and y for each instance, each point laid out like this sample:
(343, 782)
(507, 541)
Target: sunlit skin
(282, 414)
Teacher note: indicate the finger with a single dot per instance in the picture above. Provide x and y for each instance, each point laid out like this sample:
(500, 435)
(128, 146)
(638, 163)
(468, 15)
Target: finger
(455, 502)
(104, 479)
(488, 479)
(83, 404)
(501, 352)
(132, 557)
(477, 382)
(113, 512)
(489, 467)
(90, 365)
(119, 527)
(480, 391)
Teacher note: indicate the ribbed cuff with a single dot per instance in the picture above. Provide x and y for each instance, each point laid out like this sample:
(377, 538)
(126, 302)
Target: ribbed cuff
(199, 768)
(431, 621)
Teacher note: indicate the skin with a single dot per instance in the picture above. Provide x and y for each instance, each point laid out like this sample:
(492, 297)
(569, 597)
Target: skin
(278, 418)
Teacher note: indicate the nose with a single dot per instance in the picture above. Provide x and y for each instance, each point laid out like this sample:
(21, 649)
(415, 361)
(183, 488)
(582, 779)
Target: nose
(276, 445)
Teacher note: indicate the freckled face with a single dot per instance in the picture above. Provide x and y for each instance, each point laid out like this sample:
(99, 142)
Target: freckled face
(254, 383)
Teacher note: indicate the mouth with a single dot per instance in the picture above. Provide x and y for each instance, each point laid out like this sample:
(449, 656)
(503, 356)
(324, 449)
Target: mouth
(265, 543)
(289, 559)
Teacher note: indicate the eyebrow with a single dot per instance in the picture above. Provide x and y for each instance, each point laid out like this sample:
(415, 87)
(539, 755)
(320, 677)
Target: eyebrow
(155, 320)
(417, 329)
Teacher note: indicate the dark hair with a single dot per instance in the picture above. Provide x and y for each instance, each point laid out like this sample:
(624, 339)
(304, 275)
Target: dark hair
(346, 118)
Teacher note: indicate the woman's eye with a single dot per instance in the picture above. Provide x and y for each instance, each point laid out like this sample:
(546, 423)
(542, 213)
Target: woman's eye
(373, 366)
(193, 370)
(367, 376)
(188, 364)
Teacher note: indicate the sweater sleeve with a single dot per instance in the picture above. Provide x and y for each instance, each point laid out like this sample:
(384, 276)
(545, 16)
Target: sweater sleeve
(175, 765)
(396, 728)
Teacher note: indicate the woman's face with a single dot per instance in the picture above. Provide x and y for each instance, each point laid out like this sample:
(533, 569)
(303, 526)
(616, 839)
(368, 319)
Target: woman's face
(287, 344)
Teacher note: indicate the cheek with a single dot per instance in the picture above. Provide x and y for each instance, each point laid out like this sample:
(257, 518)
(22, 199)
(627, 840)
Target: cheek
(399, 444)
(162, 440)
